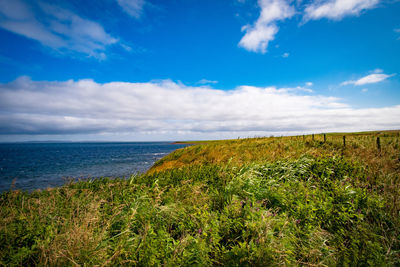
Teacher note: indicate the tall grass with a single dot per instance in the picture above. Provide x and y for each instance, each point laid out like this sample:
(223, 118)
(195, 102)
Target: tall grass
(260, 201)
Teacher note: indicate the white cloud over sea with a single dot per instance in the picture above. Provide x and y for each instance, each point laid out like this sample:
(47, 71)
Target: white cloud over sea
(165, 108)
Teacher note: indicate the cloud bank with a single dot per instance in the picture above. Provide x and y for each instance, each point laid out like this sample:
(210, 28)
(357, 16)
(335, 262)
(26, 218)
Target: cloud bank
(86, 107)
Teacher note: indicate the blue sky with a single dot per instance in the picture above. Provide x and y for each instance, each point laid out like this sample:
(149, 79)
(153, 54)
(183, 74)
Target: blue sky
(196, 69)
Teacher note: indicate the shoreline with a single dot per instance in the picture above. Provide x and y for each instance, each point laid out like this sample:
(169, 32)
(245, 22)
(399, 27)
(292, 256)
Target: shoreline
(223, 196)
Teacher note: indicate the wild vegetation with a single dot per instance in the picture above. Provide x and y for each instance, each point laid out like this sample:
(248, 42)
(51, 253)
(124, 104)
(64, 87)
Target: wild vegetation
(258, 201)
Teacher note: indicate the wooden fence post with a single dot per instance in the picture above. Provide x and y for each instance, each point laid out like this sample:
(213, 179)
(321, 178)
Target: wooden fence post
(378, 143)
(344, 140)
(313, 137)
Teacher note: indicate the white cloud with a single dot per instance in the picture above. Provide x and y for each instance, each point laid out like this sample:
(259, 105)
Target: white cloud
(165, 107)
(205, 81)
(309, 84)
(337, 9)
(126, 47)
(133, 8)
(296, 89)
(371, 78)
(54, 27)
(364, 90)
(258, 35)
(285, 55)
(377, 70)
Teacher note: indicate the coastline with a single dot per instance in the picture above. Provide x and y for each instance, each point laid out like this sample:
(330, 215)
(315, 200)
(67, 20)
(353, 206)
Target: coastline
(287, 200)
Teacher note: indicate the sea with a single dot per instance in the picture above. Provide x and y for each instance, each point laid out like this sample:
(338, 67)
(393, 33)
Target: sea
(31, 166)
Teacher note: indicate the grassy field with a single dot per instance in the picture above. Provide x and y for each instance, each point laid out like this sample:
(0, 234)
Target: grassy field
(299, 200)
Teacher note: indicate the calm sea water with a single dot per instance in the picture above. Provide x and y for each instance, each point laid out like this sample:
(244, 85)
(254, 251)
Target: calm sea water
(32, 166)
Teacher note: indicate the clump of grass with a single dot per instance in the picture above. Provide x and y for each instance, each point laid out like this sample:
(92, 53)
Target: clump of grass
(262, 201)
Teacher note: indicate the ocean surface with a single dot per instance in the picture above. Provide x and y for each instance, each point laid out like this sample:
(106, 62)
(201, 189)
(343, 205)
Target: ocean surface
(30, 166)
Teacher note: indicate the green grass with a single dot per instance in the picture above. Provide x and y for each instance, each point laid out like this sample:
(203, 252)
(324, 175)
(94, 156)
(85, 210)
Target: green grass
(258, 202)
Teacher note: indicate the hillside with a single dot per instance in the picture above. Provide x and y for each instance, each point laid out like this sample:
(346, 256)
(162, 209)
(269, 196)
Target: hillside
(301, 200)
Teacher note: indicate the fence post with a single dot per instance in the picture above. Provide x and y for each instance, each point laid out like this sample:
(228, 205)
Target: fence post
(313, 137)
(378, 143)
(344, 140)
